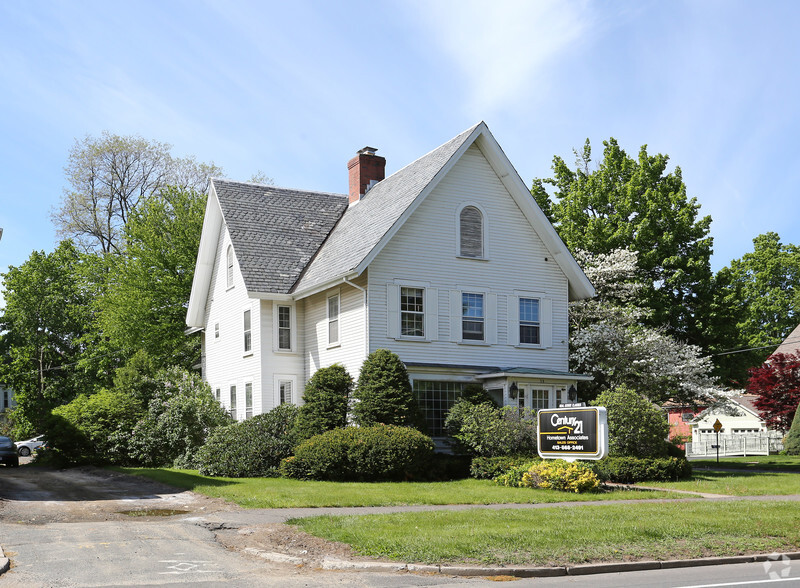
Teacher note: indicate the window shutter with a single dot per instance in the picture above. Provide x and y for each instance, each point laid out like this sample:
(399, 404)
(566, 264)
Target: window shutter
(491, 318)
(455, 315)
(393, 310)
(513, 320)
(431, 314)
(546, 319)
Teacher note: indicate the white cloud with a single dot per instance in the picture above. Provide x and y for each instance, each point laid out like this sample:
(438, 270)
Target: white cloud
(506, 48)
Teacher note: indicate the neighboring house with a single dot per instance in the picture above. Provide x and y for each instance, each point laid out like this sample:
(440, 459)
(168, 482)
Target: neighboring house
(743, 430)
(680, 416)
(791, 344)
(448, 262)
(6, 399)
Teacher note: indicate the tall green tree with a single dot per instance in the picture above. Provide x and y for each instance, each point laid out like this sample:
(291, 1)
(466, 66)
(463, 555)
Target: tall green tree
(636, 204)
(760, 295)
(144, 307)
(43, 332)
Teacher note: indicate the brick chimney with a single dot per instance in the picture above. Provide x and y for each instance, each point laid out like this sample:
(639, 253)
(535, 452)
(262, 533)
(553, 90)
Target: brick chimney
(365, 170)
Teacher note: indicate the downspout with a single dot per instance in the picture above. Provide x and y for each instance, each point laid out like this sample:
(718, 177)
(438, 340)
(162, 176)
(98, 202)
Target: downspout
(366, 315)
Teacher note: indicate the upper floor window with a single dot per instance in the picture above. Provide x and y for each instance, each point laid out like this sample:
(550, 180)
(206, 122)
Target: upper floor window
(529, 321)
(472, 317)
(471, 232)
(412, 312)
(285, 327)
(333, 319)
(248, 340)
(229, 266)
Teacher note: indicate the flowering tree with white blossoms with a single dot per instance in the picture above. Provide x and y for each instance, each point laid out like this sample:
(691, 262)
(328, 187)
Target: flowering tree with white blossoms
(609, 340)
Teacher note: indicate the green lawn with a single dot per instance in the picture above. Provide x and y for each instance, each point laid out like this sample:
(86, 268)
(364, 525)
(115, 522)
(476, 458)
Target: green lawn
(287, 493)
(755, 462)
(568, 535)
(735, 483)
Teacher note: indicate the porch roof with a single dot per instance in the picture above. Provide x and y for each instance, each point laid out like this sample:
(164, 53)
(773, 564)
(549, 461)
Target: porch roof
(504, 372)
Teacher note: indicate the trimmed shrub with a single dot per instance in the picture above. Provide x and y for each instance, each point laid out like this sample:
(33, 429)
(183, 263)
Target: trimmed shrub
(94, 428)
(628, 470)
(636, 426)
(487, 431)
(362, 454)
(251, 448)
(557, 474)
(791, 444)
(179, 418)
(325, 400)
(477, 394)
(513, 476)
(383, 394)
(488, 468)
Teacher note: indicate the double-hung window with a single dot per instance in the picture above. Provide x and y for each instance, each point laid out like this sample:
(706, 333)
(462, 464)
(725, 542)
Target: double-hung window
(473, 317)
(412, 312)
(233, 402)
(248, 400)
(248, 340)
(333, 319)
(285, 328)
(529, 321)
(285, 388)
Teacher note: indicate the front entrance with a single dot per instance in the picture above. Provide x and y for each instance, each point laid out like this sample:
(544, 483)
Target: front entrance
(536, 396)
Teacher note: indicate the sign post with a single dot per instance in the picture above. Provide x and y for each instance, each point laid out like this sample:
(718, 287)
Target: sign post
(717, 429)
(573, 433)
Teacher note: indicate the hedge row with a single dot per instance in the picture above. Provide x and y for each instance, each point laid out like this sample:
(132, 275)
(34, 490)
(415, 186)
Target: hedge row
(628, 470)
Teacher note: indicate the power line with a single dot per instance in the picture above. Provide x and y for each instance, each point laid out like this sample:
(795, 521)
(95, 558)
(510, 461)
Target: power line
(780, 342)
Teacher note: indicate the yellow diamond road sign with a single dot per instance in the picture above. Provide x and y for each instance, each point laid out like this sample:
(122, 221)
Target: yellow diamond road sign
(717, 426)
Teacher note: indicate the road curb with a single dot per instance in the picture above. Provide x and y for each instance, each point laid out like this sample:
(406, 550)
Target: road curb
(331, 563)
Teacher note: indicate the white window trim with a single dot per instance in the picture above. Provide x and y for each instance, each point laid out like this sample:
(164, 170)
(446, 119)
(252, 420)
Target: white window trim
(292, 327)
(545, 319)
(489, 316)
(485, 231)
(277, 379)
(331, 344)
(430, 309)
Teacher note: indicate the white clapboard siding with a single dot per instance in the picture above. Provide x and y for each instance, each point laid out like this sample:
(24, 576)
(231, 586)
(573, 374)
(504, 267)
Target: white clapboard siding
(351, 350)
(426, 249)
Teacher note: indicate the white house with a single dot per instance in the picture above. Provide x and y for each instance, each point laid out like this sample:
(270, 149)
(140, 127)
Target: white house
(743, 430)
(448, 262)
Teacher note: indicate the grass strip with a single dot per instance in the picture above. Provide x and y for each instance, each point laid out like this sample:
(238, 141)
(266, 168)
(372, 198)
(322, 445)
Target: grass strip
(288, 493)
(789, 463)
(736, 483)
(568, 536)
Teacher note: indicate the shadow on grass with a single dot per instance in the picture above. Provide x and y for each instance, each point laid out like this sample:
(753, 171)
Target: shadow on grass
(187, 480)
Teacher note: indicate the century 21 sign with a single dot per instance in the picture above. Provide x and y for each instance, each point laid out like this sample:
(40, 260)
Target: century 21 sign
(573, 433)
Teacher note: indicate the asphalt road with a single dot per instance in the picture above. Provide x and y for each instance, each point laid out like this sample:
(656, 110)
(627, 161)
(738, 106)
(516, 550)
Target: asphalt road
(67, 528)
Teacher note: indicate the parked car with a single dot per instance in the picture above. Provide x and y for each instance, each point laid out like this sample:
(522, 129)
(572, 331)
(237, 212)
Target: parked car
(25, 448)
(8, 452)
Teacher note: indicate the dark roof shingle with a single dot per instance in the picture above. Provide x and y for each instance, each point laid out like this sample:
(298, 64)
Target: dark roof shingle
(276, 231)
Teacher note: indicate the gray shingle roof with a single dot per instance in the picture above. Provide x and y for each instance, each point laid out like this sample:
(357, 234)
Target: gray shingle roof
(363, 226)
(275, 231)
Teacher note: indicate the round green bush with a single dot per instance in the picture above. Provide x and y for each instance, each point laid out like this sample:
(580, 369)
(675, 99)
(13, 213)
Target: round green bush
(636, 426)
(325, 401)
(251, 448)
(383, 394)
(488, 431)
(362, 454)
(791, 443)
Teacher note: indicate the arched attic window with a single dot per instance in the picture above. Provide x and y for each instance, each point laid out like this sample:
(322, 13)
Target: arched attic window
(471, 232)
(229, 266)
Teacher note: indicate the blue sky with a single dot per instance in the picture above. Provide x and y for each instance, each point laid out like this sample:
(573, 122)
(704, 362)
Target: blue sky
(295, 88)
